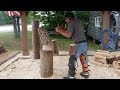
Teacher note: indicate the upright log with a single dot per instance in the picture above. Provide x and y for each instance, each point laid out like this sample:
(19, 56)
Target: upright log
(35, 40)
(46, 63)
(72, 49)
(55, 47)
(24, 34)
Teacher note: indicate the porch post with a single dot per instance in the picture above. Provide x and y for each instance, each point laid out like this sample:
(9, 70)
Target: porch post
(24, 34)
(106, 22)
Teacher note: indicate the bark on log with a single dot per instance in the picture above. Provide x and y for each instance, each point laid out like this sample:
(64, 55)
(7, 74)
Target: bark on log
(35, 40)
(46, 63)
(72, 48)
(116, 64)
(55, 47)
(110, 60)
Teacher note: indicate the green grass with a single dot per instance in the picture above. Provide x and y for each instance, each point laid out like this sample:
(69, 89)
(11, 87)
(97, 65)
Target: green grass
(12, 43)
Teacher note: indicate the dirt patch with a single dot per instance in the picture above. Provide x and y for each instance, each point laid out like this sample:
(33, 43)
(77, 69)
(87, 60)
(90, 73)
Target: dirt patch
(30, 69)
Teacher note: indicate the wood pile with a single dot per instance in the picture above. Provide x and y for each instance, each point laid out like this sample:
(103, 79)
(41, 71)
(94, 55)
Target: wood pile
(106, 57)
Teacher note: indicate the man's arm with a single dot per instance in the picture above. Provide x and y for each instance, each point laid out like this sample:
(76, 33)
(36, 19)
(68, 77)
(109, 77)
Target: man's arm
(64, 33)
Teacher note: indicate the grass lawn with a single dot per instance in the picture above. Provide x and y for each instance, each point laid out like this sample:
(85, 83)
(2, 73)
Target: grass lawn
(12, 43)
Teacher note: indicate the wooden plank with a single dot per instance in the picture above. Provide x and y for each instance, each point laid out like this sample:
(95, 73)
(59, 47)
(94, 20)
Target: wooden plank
(9, 60)
(9, 57)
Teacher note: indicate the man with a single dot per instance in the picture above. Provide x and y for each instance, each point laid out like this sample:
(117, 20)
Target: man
(76, 31)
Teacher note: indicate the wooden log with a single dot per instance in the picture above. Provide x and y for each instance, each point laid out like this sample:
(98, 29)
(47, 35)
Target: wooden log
(47, 47)
(46, 63)
(110, 58)
(55, 47)
(103, 51)
(116, 64)
(118, 56)
(97, 56)
(102, 54)
(35, 40)
(103, 61)
(72, 48)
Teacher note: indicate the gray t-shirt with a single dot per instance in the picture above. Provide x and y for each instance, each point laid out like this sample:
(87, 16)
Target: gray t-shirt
(77, 30)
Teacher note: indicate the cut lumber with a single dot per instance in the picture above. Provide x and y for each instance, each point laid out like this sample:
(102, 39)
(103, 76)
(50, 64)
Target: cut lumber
(9, 60)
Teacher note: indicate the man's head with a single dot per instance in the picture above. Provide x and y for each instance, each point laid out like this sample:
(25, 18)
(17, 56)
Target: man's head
(69, 17)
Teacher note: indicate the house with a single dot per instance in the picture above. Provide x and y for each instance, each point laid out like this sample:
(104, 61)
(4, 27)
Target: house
(100, 20)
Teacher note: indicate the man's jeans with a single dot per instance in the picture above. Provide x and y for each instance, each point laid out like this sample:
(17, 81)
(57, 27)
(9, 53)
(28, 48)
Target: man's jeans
(81, 48)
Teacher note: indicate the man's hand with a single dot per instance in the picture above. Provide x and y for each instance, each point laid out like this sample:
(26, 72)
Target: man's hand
(57, 29)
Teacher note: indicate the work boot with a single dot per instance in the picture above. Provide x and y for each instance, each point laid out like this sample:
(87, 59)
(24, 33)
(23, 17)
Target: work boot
(85, 74)
(69, 77)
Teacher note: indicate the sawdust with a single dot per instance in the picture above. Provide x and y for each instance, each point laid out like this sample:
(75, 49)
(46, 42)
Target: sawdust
(30, 69)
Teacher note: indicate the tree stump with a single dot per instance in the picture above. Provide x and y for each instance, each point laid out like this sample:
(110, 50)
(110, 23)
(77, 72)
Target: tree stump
(72, 48)
(55, 47)
(35, 40)
(46, 63)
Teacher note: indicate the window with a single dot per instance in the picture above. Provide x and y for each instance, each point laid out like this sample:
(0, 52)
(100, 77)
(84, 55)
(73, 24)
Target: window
(97, 21)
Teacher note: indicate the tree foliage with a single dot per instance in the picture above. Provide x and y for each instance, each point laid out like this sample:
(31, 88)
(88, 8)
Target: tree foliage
(4, 19)
(50, 19)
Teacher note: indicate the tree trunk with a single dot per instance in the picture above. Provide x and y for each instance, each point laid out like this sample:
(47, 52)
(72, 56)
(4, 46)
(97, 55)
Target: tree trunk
(46, 63)
(18, 27)
(14, 25)
(35, 40)
(55, 47)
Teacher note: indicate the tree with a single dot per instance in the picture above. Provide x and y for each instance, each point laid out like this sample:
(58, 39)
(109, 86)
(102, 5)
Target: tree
(50, 19)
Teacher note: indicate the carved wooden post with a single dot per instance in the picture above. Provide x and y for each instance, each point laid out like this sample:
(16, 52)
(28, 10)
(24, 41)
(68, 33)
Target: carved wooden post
(46, 63)
(55, 47)
(24, 34)
(35, 40)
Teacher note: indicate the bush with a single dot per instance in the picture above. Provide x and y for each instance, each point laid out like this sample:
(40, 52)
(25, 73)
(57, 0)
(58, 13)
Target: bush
(4, 19)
